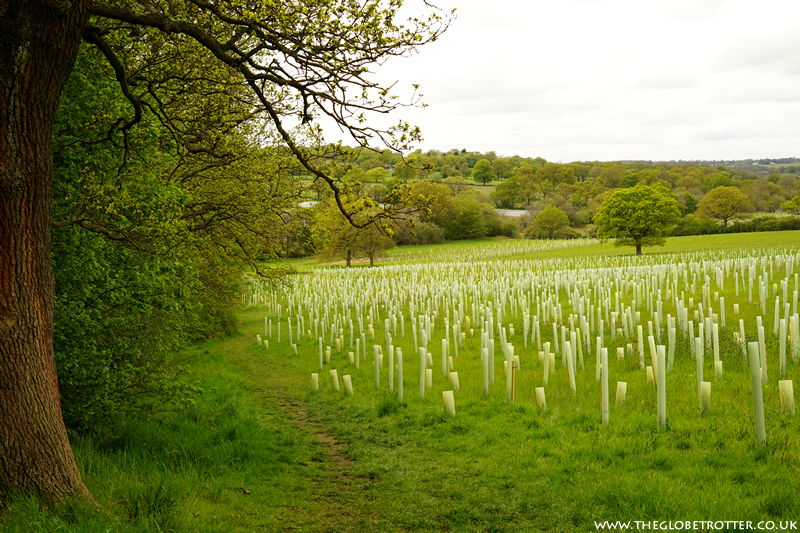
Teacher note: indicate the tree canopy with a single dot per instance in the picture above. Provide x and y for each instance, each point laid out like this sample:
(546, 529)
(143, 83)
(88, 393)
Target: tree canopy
(638, 216)
(229, 94)
(548, 223)
(343, 240)
(468, 222)
(433, 201)
(792, 206)
(552, 174)
(404, 171)
(483, 171)
(590, 179)
(723, 204)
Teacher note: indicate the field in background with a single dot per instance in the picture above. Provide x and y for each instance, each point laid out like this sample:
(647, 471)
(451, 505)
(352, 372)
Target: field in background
(699, 243)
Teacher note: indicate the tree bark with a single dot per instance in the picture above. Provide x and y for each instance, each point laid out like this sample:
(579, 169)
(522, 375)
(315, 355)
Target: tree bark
(39, 43)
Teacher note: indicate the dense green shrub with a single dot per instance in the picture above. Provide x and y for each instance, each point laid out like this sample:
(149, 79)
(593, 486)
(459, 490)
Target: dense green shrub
(469, 221)
(501, 227)
(691, 225)
(428, 233)
(118, 316)
(762, 223)
(143, 262)
(534, 231)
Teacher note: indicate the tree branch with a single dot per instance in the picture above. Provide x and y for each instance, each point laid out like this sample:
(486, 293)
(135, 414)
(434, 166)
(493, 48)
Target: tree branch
(91, 34)
(287, 56)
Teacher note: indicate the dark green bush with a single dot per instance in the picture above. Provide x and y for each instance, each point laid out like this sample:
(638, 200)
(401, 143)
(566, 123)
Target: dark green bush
(428, 233)
(691, 225)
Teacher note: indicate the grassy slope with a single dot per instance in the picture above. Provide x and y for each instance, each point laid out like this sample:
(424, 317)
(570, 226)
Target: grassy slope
(515, 468)
(260, 452)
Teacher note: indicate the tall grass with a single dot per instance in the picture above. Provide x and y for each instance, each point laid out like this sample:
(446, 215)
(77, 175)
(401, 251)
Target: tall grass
(233, 462)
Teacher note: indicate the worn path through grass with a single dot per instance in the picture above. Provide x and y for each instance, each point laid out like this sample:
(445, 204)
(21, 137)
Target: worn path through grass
(248, 457)
(261, 453)
(326, 497)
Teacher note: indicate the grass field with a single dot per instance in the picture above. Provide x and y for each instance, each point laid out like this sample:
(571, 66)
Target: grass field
(701, 243)
(261, 451)
(513, 467)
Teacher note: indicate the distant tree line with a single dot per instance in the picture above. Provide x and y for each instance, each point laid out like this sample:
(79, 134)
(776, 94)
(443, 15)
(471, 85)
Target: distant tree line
(562, 199)
(577, 187)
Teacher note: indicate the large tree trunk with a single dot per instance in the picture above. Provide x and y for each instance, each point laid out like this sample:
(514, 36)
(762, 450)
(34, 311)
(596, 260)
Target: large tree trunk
(38, 46)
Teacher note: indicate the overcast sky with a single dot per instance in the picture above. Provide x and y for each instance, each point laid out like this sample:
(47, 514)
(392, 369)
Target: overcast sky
(606, 80)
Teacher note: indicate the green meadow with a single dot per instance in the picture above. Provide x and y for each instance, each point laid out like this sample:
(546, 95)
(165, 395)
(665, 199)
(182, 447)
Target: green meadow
(262, 451)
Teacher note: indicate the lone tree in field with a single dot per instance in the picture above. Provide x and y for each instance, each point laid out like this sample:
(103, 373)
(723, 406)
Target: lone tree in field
(724, 204)
(639, 216)
(482, 171)
(372, 242)
(286, 62)
(343, 240)
(404, 171)
(339, 237)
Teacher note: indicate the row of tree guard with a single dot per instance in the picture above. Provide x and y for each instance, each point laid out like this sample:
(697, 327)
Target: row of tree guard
(570, 308)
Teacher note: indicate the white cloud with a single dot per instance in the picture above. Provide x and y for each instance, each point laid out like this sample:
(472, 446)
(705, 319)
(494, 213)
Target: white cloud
(611, 79)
